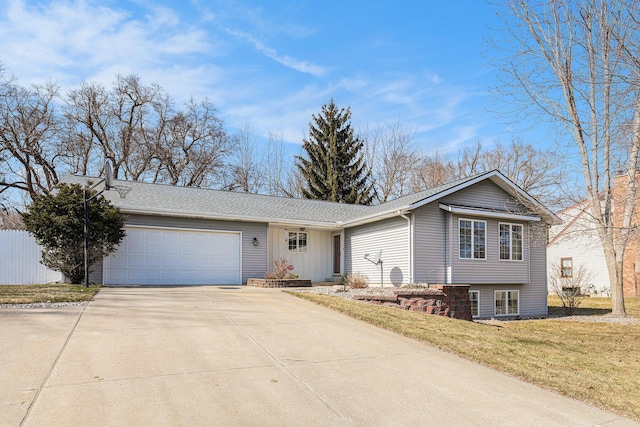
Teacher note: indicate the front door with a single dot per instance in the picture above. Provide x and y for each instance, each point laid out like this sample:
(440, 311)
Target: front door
(336, 254)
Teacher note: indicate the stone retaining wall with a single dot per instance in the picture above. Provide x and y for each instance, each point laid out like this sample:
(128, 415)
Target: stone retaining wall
(441, 300)
(279, 283)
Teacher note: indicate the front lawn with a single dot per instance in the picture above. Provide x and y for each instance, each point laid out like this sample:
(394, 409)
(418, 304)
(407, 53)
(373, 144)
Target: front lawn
(595, 306)
(31, 294)
(594, 362)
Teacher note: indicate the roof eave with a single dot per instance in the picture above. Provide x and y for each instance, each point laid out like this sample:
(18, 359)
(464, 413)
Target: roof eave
(226, 217)
(465, 210)
(376, 217)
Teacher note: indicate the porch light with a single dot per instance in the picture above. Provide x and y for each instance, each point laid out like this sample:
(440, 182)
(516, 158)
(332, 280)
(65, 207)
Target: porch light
(255, 241)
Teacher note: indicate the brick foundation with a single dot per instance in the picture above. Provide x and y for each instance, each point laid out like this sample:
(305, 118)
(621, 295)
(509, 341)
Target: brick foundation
(441, 300)
(279, 283)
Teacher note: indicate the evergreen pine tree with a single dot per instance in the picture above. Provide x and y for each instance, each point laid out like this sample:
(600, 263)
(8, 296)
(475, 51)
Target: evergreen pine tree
(334, 167)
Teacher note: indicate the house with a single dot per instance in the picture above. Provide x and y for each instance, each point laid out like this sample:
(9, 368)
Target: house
(575, 244)
(475, 231)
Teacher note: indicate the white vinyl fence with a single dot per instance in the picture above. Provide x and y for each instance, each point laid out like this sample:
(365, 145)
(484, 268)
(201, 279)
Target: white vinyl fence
(20, 260)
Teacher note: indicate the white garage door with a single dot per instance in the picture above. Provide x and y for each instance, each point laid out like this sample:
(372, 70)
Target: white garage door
(161, 256)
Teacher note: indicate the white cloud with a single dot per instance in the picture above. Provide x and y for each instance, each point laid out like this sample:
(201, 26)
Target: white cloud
(75, 40)
(461, 136)
(287, 61)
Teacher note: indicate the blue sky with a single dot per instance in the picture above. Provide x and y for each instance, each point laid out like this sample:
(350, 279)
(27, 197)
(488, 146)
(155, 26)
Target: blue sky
(274, 64)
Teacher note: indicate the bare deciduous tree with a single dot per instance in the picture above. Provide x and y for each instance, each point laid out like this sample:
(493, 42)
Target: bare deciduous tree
(276, 167)
(194, 147)
(10, 219)
(571, 289)
(138, 129)
(432, 171)
(245, 172)
(112, 125)
(29, 125)
(575, 63)
(293, 184)
(391, 156)
(88, 127)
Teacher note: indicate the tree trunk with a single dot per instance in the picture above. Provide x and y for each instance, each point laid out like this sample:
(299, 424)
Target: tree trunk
(614, 258)
(617, 292)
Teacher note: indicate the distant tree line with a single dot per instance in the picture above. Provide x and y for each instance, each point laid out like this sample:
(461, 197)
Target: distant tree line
(146, 136)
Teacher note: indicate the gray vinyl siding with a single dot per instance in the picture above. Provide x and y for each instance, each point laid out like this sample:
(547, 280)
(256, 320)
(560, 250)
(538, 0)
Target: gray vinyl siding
(390, 236)
(430, 251)
(436, 246)
(537, 288)
(532, 302)
(254, 258)
(533, 295)
(437, 241)
(491, 269)
(484, 194)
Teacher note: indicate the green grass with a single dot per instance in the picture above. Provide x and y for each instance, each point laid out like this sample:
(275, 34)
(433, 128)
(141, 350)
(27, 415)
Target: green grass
(594, 362)
(30, 294)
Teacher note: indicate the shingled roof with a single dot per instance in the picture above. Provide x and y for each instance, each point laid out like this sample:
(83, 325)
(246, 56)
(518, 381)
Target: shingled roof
(170, 200)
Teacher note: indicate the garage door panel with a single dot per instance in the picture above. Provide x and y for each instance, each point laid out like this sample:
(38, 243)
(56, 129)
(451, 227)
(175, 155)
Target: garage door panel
(169, 248)
(153, 261)
(135, 261)
(149, 256)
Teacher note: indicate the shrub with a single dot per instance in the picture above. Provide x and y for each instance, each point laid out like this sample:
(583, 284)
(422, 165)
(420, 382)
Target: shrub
(571, 290)
(357, 281)
(281, 269)
(56, 220)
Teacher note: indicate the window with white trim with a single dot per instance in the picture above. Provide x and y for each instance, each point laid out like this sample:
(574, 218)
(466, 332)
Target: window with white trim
(510, 239)
(297, 241)
(474, 298)
(473, 238)
(507, 303)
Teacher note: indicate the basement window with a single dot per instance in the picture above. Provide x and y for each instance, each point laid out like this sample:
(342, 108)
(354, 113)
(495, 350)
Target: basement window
(507, 303)
(474, 297)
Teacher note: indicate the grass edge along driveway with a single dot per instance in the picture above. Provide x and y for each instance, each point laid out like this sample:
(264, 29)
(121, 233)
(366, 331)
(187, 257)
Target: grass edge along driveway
(50, 293)
(594, 362)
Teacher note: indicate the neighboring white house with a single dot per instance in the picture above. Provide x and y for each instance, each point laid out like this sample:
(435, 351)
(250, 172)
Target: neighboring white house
(575, 244)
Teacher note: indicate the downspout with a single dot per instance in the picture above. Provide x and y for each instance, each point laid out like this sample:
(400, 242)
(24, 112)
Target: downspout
(410, 242)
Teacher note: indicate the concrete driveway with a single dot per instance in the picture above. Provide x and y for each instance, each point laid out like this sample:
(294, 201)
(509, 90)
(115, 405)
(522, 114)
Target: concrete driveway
(244, 356)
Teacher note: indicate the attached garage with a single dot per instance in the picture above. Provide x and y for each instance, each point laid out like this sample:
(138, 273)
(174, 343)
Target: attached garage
(172, 256)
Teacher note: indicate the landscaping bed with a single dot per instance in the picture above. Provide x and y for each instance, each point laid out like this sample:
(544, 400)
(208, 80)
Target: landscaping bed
(440, 300)
(279, 283)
